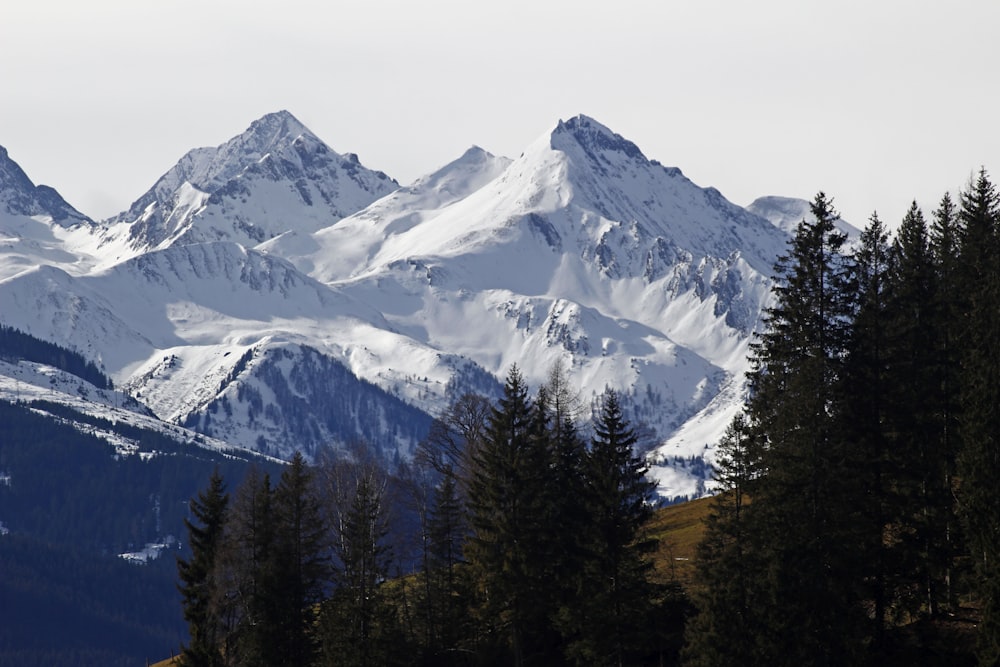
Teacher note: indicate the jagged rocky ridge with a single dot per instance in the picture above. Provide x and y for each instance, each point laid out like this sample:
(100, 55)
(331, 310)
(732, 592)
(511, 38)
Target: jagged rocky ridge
(20, 197)
(280, 296)
(275, 177)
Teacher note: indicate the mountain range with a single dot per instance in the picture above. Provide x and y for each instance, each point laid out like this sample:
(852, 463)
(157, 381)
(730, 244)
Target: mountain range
(273, 295)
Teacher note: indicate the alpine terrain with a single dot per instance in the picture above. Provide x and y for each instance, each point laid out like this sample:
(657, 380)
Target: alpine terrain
(272, 295)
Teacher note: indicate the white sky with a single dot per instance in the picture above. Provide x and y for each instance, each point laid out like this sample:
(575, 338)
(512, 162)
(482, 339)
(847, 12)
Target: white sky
(876, 102)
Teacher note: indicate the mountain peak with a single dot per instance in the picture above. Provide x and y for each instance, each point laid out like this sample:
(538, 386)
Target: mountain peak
(19, 196)
(460, 177)
(274, 128)
(472, 159)
(593, 137)
(274, 177)
(281, 116)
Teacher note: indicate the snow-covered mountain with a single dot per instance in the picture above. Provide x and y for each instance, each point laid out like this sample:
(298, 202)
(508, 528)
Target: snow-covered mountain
(787, 212)
(19, 197)
(581, 251)
(276, 295)
(36, 223)
(275, 177)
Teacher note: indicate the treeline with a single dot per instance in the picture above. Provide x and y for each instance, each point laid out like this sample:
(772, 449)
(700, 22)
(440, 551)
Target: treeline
(15, 344)
(859, 507)
(529, 548)
(857, 512)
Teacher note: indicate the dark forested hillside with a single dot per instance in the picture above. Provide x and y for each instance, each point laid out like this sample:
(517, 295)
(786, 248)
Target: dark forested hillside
(15, 344)
(60, 605)
(69, 505)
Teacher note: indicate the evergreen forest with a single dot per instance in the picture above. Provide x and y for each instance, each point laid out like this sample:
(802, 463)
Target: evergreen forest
(855, 512)
(855, 521)
(527, 545)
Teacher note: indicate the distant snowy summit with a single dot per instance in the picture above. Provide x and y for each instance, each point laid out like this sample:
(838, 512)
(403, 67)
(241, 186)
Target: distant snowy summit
(275, 177)
(786, 213)
(20, 197)
(277, 295)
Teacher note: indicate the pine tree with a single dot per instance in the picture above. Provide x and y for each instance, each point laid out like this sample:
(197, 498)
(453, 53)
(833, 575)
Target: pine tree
(863, 416)
(915, 420)
(358, 622)
(504, 550)
(301, 556)
(948, 307)
(979, 462)
(616, 596)
(447, 597)
(724, 631)
(805, 501)
(567, 518)
(570, 530)
(197, 574)
(246, 575)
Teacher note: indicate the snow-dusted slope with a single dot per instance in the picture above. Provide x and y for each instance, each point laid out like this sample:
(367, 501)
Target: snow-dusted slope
(37, 226)
(274, 178)
(237, 299)
(581, 251)
(787, 212)
(20, 197)
(347, 248)
(597, 193)
(45, 386)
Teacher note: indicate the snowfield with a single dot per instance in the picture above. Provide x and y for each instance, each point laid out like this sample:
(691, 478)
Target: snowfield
(275, 295)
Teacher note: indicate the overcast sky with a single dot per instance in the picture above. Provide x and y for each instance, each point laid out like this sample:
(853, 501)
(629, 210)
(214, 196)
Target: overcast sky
(875, 102)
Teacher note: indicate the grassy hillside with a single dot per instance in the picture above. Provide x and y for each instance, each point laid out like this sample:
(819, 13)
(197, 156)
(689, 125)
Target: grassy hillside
(679, 529)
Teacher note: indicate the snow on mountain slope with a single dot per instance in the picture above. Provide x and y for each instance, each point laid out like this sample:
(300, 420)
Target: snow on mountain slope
(589, 189)
(44, 386)
(346, 248)
(236, 298)
(37, 226)
(284, 397)
(200, 294)
(178, 328)
(50, 304)
(274, 178)
(787, 212)
(20, 197)
(580, 251)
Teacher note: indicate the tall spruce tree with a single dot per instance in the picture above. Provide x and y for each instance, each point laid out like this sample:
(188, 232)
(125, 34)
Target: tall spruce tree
(301, 553)
(447, 596)
(806, 502)
(862, 417)
(570, 522)
(729, 594)
(506, 497)
(197, 574)
(916, 420)
(979, 462)
(616, 594)
(948, 307)
(358, 623)
(246, 575)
